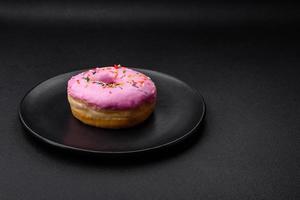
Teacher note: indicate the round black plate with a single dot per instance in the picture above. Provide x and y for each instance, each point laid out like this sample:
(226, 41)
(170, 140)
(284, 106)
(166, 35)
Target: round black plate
(45, 112)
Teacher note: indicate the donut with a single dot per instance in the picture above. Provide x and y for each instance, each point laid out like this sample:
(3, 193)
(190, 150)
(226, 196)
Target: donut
(111, 97)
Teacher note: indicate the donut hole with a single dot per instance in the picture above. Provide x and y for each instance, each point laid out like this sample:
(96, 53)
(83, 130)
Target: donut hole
(107, 78)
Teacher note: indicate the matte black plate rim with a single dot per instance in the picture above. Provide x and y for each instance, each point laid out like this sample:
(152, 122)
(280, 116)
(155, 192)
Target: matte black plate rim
(67, 147)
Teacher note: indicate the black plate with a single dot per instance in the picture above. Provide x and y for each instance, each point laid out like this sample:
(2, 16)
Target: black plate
(45, 112)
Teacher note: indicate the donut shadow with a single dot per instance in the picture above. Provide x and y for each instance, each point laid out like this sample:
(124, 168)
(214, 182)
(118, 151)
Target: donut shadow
(127, 160)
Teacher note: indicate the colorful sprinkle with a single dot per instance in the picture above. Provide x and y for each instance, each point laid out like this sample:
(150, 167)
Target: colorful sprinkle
(86, 78)
(117, 66)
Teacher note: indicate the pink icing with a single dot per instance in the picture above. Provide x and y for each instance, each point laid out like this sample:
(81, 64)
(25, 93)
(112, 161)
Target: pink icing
(112, 88)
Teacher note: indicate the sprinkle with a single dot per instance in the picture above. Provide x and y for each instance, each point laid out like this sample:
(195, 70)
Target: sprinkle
(110, 92)
(116, 74)
(99, 83)
(143, 91)
(124, 71)
(134, 84)
(116, 66)
(78, 81)
(86, 78)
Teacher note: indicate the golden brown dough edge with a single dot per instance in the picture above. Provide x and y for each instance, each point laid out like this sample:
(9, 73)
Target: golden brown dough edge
(114, 119)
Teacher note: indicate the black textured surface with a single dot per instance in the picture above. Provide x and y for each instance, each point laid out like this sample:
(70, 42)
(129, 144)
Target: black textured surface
(247, 149)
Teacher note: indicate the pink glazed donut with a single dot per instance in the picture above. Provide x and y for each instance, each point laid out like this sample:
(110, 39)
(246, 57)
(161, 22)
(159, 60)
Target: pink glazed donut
(111, 97)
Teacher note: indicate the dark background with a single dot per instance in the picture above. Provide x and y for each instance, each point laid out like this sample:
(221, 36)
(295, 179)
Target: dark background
(242, 57)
